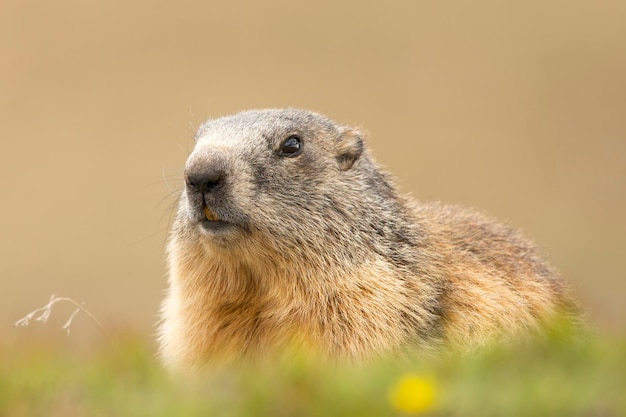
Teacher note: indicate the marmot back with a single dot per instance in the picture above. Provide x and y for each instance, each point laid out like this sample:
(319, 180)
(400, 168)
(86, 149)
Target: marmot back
(288, 232)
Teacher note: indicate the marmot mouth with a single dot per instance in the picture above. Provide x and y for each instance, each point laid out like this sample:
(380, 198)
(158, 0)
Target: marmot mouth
(212, 222)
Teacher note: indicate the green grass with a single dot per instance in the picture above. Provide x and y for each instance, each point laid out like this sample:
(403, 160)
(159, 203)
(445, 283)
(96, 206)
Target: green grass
(553, 377)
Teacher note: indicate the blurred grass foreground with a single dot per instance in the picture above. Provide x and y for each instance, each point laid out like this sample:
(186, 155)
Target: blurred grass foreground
(555, 376)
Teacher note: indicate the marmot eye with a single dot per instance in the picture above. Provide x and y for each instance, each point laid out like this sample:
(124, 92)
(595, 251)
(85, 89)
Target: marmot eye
(292, 146)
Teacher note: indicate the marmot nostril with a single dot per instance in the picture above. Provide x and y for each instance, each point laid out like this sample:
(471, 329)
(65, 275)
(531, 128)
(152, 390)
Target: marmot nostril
(204, 182)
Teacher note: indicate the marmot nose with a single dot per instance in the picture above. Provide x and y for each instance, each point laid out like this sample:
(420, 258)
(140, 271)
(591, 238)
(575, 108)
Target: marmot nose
(205, 172)
(204, 181)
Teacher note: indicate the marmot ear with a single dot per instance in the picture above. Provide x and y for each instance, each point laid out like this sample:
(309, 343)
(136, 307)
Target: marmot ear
(349, 148)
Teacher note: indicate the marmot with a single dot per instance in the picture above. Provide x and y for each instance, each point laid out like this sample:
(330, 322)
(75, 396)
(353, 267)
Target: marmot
(288, 231)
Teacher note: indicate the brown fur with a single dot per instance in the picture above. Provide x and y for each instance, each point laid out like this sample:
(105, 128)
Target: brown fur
(321, 251)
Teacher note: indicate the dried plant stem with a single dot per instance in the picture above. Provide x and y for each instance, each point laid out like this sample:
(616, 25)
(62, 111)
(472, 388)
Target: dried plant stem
(42, 314)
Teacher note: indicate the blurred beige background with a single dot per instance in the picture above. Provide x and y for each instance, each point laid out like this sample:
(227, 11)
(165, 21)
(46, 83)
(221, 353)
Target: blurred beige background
(517, 108)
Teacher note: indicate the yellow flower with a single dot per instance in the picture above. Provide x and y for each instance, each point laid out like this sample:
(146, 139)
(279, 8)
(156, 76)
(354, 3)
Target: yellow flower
(413, 394)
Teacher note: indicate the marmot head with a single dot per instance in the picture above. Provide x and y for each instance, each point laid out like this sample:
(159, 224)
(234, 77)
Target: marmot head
(291, 177)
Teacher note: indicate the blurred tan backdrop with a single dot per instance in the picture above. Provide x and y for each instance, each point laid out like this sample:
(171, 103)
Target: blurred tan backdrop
(518, 108)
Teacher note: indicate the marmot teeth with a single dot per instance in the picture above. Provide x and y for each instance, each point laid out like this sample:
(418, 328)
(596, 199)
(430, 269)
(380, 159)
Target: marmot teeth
(210, 215)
